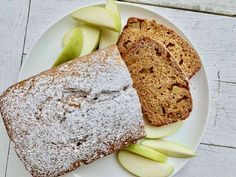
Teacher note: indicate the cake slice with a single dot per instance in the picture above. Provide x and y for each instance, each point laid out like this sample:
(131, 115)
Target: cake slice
(161, 85)
(73, 114)
(185, 55)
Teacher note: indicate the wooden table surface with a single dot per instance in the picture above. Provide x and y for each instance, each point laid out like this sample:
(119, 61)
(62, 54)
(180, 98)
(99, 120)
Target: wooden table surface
(214, 36)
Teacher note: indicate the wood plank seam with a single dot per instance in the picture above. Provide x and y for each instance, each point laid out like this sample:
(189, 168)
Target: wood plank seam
(179, 8)
(226, 82)
(218, 91)
(26, 27)
(215, 145)
(9, 145)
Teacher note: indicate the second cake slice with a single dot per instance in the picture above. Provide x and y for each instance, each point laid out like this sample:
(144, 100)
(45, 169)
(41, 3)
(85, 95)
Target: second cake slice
(161, 85)
(185, 55)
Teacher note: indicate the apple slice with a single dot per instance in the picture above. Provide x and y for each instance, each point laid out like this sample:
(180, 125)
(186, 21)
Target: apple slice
(112, 6)
(108, 37)
(143, 167)
(163, 131)
(169, 148)
(146, 152)
(98, 16)
(72, 49)
(91, 36)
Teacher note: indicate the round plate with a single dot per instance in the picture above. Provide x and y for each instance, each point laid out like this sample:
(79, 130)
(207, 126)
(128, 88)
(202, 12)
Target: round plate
(48, 47)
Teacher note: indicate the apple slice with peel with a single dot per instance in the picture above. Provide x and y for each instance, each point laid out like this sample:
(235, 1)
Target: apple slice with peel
(98, 16)
(163, 131)
(91, 36)
(169, 148)
(146, 152)
(143, 167)
(72, 49)
(109, 37)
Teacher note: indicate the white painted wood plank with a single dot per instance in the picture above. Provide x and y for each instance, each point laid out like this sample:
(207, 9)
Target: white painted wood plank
(13, 17)
(12, 31)
(221, 129)
(4, 143)
(224, 7)
(211, 162)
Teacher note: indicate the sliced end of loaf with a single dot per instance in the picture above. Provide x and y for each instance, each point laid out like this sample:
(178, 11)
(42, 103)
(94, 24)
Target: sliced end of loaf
(185, 55)
(160, 83)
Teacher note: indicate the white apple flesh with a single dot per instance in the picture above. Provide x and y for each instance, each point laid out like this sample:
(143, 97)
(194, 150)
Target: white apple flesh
(146, 152)
(91, 36)
(98, 16)
(143, 167)
(169, 148)
(108, 37)
(112, 6)
(163, 131)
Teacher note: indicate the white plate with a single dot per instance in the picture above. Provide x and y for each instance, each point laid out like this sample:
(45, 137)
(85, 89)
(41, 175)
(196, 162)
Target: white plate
(46, 50)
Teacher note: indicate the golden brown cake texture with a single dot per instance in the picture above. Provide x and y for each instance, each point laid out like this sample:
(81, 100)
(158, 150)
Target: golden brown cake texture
(161, 85)
(185, 55)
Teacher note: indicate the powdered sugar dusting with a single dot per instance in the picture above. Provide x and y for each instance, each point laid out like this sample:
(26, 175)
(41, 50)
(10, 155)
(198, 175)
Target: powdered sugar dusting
(74, 114)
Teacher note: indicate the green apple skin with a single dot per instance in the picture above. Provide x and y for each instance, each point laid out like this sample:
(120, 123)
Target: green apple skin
(72, 49)
(98, 16)
(146, 152)
(169, 148)
(143, 167)
(91, 36)
(68, 36)
(163, 131)
(108, 37)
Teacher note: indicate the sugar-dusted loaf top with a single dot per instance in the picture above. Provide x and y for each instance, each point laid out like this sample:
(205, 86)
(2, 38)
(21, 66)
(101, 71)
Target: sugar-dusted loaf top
(73, 114)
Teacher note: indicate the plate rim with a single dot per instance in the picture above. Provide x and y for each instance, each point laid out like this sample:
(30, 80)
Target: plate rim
(141, 6)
